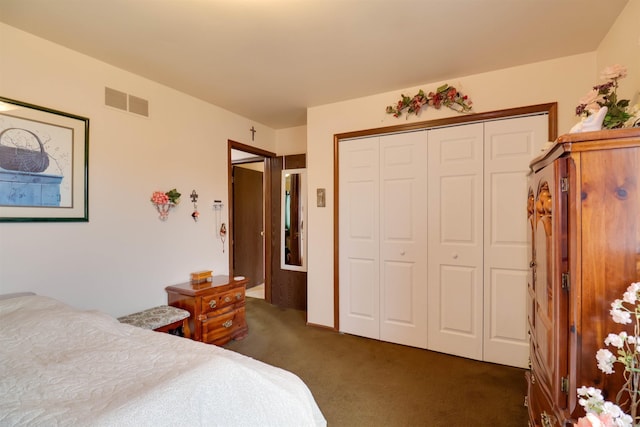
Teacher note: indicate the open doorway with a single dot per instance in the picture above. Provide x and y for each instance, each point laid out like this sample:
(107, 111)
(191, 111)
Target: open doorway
(250, 217)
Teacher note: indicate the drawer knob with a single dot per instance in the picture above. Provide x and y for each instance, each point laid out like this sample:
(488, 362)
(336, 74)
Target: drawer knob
(227, 299)
(228, 323)
(213, 303)
(239, 296)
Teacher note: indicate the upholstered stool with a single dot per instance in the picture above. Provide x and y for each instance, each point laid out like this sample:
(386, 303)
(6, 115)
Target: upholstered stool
(162, 319)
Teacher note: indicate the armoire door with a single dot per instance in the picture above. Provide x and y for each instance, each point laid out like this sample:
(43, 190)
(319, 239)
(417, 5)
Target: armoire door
(383, 245)
(549, 302)
(456, 239)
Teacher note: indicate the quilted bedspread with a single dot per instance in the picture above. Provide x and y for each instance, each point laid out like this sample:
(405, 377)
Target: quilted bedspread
(62, 366)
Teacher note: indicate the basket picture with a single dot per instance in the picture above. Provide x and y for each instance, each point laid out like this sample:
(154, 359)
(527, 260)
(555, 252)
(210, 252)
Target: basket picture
(22, 159)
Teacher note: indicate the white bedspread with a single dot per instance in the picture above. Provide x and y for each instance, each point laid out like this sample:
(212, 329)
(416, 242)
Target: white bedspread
(61, 366)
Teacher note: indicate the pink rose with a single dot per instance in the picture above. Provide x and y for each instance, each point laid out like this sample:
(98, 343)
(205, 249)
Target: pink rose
(590, 101)
(593, 420)
(614, 72)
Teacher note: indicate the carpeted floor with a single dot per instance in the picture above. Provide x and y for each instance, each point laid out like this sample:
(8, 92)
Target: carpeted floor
(361, 382)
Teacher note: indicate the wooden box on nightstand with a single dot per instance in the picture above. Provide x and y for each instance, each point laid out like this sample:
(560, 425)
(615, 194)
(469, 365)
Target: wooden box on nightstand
(216, 307)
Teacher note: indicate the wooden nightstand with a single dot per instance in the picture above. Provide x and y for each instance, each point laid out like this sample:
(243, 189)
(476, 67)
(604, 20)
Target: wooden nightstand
(216, 307)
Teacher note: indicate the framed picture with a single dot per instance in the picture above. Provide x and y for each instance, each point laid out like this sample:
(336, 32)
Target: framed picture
(44, 164)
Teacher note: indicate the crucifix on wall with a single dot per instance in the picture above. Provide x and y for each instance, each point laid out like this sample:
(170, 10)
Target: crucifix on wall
(253, 132)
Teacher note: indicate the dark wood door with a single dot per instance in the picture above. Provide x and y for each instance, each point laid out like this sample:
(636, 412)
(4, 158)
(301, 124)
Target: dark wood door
(288, 287)
(248, 228)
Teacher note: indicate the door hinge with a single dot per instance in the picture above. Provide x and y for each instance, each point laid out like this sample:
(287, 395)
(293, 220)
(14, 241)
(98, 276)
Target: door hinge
(566, 282)
(564, 184)
(564, 385)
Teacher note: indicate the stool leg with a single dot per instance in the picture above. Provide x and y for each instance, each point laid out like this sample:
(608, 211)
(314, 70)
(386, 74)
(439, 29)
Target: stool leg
(185, 328)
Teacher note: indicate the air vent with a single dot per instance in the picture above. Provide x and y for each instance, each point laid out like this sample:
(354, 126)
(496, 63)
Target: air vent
(115, 98)
(122, 101)
(138, 106)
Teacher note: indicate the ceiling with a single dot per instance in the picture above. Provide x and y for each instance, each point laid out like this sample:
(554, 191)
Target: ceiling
(269, 60)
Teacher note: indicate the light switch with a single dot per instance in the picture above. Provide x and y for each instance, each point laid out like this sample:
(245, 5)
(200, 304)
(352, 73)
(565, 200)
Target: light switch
(321, 198)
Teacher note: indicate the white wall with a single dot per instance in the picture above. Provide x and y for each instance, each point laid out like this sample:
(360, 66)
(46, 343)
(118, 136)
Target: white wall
(563, 80)
(121, 260)
(291, 141)
(622, 46)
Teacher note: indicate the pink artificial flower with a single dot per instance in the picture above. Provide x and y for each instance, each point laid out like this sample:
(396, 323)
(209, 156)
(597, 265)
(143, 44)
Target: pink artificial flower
(159, 198)
(614, 72)
(590, 101)
(593, 420)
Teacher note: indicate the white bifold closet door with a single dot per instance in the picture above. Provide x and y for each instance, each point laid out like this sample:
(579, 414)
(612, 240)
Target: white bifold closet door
(456, 189)
(477, 237)
(509, 147)
(433, 243)
(383, 244)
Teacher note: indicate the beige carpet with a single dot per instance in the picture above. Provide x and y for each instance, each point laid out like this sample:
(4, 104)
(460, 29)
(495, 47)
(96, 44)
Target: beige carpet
(362, 382)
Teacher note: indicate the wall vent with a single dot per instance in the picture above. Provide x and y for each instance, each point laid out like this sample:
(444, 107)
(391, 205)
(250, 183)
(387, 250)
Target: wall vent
(138, 106)
(115, 98)
(122, 101)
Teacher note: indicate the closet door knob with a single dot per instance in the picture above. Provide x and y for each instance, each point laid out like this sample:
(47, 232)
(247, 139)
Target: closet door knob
(402, 253)
(454, 255)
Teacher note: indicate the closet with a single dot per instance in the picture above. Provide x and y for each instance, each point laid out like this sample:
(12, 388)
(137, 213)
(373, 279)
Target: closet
(432, 239)
(383, 237)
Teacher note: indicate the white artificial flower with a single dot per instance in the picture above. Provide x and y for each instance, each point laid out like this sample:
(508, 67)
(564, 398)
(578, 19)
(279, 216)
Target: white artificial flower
(618, 313)
(634, 119)
(598, 411)
(616, 340)
(590, 399)
(605, 360)
(631, 295)
(620, 419)
(634, 287)
(625, 420)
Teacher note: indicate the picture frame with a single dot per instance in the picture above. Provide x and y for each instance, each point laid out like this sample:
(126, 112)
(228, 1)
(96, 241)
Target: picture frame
(44, 164)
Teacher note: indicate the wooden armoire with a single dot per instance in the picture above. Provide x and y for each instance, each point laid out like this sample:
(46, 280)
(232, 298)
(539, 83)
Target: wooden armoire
(584, 216)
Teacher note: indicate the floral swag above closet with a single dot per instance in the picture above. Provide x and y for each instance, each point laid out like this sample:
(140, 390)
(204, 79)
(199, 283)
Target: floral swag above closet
(445, 95)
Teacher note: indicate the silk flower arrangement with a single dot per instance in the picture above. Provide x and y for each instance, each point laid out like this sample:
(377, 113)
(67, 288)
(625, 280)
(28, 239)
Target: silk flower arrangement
(445, 95)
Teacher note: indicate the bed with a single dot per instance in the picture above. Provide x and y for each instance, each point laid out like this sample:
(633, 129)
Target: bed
(63, 366)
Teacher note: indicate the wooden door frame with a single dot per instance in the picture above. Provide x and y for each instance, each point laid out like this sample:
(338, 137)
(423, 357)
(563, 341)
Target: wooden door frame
(266, 191)
(550, 108)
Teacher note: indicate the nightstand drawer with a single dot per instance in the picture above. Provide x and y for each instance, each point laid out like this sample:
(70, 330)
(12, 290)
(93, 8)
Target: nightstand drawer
(224, 327)
(215, 302)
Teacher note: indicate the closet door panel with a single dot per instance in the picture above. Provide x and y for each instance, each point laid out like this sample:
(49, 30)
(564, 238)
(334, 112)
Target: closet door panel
(403, 239)
(509, 146)
(455, 240)
(359, 237)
